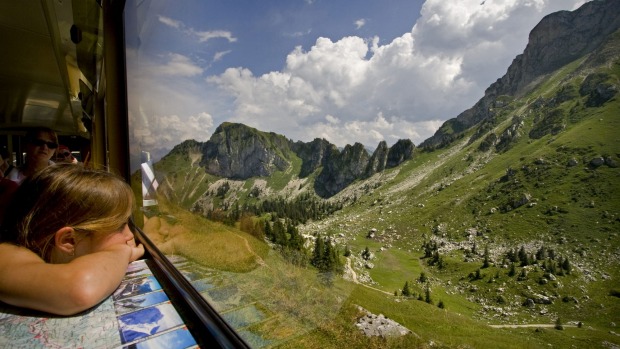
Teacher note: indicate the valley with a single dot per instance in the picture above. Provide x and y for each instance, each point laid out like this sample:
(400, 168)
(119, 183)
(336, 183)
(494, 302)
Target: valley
(501, 231)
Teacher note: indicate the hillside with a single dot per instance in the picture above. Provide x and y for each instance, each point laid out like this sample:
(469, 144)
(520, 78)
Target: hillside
(509, 215)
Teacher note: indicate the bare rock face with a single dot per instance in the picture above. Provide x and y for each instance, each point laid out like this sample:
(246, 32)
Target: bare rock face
(378, 160)
(399, 152)
(313, 154)
(559, 38)
(341, 169)
(237, 151)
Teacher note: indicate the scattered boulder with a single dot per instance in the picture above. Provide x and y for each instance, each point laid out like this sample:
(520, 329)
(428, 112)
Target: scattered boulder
(611, 162)
(573, 162)
(597, 162)
(380, 326)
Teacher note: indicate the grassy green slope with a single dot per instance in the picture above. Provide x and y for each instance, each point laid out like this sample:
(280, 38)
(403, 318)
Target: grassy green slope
(573, 210)
(463, 198)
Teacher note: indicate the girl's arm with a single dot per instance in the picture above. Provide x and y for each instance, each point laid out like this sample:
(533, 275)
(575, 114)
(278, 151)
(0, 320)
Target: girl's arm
(28, 281)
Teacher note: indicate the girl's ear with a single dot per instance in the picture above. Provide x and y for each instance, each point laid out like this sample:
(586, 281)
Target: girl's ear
(65, 240)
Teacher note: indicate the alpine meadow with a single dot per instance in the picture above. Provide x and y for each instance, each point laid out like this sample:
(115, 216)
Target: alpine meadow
(500, 231)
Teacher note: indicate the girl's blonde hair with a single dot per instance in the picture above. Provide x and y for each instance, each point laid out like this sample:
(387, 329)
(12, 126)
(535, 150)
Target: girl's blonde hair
(66, 195)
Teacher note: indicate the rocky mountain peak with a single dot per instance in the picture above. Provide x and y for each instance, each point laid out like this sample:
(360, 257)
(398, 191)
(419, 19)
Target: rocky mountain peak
(240, 152)
(560, 38)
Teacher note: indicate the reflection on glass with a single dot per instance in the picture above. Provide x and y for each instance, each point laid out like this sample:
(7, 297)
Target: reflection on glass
(270, 295)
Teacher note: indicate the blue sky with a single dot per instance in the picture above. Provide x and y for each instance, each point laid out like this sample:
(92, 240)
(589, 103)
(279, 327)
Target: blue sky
(344, 70)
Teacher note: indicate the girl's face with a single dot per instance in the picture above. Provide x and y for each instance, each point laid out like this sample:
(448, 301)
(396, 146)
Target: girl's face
(98, 241)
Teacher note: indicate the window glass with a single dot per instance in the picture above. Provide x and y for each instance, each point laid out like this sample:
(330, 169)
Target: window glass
(269, 293)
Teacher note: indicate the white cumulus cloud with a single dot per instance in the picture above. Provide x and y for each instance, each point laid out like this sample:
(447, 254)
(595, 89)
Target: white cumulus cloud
(353, 89)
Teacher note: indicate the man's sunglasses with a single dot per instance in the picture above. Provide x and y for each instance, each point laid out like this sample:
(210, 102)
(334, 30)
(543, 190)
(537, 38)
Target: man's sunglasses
(40, 142)
(65, 154)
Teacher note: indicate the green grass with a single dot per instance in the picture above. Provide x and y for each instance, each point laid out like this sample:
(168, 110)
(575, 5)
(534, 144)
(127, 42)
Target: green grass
(575, 211)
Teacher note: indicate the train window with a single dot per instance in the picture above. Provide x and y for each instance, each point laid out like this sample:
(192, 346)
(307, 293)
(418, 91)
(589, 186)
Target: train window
(268, 296)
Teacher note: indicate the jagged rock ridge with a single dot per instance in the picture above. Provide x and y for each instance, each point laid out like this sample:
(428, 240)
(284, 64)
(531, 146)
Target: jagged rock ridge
(237, 151)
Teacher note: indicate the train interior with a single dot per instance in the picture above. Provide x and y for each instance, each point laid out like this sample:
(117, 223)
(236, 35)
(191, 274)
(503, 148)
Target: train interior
(63, 67)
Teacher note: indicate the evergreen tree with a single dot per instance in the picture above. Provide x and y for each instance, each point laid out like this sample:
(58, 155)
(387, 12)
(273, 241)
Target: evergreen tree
(318, 253)
(428, 299)
(236, 212)
(325, 256)
(486, 263)
(523, 257)
(279, 233)
(541, 254)
(329, 256)
(511, 255)
(440, 263)
(513, 270)
(422, 277)
(406, 292)
(429, 248)
(551, 267)
(567, 266)
(268, 231)
(560, 265)
(296, 242)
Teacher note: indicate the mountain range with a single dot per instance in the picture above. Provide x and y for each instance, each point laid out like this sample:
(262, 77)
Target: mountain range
(532, 169)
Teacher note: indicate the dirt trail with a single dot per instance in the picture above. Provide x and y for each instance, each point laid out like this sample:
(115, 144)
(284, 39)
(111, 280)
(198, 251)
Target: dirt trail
(349, 269)
(529, 325)
(259, 259)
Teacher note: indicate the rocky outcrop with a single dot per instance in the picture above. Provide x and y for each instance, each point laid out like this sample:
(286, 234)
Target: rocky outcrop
(341, 169)
(237, 151)
(378, 160)
(399, 153)
(559, 38)
(373, 325)
(313, 154)
(353, 163)
(599, 88)
(384, 157)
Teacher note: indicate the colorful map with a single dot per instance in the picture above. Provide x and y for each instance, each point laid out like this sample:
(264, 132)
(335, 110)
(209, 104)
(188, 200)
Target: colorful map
(138, 315)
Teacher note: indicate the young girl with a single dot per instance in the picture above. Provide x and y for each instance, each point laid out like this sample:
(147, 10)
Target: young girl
(66, 243)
